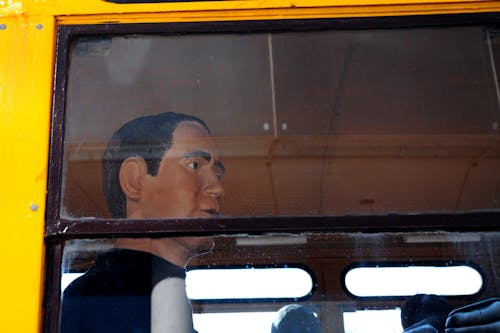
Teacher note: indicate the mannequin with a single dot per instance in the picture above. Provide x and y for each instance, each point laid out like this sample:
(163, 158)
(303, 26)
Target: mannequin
(160, 166)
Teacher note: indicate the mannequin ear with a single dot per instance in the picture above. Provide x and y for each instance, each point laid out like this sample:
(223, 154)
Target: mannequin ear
(132, 172)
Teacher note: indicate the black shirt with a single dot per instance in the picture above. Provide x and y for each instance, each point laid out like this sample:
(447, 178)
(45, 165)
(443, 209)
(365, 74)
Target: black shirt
(115, 293)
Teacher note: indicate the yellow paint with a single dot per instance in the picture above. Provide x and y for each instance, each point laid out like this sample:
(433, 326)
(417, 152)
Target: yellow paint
(26, 57)
(61, 8)
(281, 13)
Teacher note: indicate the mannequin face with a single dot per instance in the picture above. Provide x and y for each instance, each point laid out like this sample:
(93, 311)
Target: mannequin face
(188, 185)
(189, 179)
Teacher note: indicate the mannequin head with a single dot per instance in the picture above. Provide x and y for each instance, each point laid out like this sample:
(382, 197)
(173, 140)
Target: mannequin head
(164, 166)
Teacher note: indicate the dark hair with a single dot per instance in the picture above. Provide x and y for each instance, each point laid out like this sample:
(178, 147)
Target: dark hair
(421, 307)
(295, 318)
(149, 137)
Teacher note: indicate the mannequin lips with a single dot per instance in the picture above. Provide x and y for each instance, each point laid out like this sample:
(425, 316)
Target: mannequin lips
(209, 213)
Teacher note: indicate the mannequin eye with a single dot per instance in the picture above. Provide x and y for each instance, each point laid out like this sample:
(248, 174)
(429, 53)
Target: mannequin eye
(219, 174)
(194, 165)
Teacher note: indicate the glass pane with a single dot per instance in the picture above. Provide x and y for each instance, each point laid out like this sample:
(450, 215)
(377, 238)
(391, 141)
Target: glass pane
(440, 279)
(250, 282)
(373, 321)
(226, 322)
(305, 123)
(140, 282)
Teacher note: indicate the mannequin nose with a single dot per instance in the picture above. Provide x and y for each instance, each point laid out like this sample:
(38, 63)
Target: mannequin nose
(214, 186)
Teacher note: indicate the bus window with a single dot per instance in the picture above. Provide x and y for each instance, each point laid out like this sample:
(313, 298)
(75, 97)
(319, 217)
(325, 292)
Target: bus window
(404, 120)
(249, 282)
(238, 266)
(434, 278)
(289, 145)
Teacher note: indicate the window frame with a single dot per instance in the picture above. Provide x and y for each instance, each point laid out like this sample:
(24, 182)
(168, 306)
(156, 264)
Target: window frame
(59, 229)
(57, 226)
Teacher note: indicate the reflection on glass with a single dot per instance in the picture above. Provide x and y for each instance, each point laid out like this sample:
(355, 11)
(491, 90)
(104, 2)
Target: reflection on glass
(306, 123)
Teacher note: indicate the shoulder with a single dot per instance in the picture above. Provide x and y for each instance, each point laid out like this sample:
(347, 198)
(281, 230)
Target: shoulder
(123, 271)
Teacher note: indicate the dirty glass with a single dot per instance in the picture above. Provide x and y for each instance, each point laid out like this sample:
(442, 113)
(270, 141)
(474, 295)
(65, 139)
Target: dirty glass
(305, 123)
(326, 257)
